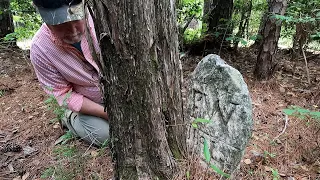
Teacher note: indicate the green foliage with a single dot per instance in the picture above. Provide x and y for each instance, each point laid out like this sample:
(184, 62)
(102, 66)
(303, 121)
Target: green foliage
(27, 19)
(275, 174)
(302, 113)
(53, 105)
(2, 92)
(186, 11)
(65, 151)
(199, 120)
(70, 163)
(268, 154)
(66, 137)
(206, 149)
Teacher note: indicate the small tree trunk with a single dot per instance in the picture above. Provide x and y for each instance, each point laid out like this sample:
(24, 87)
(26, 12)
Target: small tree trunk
(300, 38)
(6, 26)
(271, 33)
(244, 22)
(217, 15)
(139, 46)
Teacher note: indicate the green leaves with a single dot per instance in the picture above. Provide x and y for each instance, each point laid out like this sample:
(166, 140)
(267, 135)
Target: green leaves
(275, 174)
(219, 171)
(207, 156)
(199, 120)
(206, 151)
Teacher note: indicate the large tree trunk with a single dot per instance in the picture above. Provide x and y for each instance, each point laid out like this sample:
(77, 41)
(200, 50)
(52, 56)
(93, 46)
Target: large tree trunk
(6, 26)
(217, 15)
(271, 33)
(139, 46)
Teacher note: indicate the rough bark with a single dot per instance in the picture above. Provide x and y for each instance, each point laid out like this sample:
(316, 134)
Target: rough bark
(6, 26)
(301, 38)
(139, 48)
(271, 33)
(217, 14)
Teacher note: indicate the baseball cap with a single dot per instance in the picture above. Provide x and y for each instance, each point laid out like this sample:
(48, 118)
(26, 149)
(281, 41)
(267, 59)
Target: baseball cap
(54, 12)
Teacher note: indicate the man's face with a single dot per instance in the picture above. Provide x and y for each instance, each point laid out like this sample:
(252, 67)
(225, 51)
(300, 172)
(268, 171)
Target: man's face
(70, 32)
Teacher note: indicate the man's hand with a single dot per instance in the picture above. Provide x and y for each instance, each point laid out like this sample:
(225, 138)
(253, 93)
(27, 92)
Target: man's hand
(92, 108)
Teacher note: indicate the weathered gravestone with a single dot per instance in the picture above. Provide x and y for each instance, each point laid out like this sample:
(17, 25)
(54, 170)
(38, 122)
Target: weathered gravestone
(217, 92)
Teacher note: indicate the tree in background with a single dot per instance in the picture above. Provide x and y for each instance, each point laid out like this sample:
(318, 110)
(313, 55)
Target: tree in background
(217, 15)
(270, 36)
(6, 26)
(244, 7)
(139, 48)
(304, 16)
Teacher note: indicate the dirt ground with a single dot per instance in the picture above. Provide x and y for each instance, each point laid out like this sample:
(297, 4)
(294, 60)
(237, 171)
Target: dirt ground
(27, 138)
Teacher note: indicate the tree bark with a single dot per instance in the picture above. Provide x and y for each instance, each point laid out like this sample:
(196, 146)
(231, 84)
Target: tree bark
(6, 26)
(142, 89)
(271, 33)
(217, 15)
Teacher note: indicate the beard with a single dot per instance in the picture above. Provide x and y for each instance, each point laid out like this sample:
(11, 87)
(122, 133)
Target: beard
(73, 38)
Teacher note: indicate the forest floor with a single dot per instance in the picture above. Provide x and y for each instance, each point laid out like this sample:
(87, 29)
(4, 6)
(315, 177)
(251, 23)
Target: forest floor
(27, 138)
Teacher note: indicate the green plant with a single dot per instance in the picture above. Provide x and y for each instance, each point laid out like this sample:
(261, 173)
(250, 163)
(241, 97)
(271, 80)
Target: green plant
(69, 164)
(53, 105)
(268, 154)
(206, 149)
(2, 92)
(275, 174)
(66, 151)
(303, 113)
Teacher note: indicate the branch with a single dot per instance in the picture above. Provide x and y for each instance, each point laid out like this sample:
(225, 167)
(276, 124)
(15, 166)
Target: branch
(187, 24)
(285, 127)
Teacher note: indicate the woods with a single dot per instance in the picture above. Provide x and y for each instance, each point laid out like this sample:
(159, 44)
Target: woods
(192, 88)
(6, 26)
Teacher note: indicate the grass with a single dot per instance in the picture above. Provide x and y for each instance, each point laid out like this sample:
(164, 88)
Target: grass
(2, 92)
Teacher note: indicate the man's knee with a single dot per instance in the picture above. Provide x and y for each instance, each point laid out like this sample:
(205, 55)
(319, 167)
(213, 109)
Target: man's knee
(92, 129)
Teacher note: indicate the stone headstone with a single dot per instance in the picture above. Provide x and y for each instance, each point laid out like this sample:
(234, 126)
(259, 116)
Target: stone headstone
(217, 92)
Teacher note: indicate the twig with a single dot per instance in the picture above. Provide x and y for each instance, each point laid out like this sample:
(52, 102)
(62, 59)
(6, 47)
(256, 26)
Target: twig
(187, 24)
(306, 63)
(285, 127)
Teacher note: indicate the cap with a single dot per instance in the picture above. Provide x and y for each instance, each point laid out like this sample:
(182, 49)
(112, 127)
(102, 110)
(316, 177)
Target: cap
(62, 14)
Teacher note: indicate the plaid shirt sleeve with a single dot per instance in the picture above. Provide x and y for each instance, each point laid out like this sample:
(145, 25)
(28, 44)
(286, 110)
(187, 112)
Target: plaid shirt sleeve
(54, 83)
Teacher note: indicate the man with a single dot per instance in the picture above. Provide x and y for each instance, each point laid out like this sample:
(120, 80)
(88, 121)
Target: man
(65, 68)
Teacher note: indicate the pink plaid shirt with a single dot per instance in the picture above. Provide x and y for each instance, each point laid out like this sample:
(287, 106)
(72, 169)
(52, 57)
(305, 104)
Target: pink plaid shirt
(61, 68)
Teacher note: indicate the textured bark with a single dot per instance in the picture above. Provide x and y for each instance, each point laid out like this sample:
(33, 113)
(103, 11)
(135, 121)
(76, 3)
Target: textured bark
(271, 33)
(6, 26)
(217, 14)
(139, 48)
(301, 38)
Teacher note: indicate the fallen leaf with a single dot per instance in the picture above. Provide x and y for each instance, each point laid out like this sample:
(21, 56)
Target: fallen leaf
(56, 126)
(25, 176)
(17, 178)
(10, 168)
(282, 90)
(28, 150)
(267, 168)
(304, 168)
(94, 153)
(247, 161)
(282, 175)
